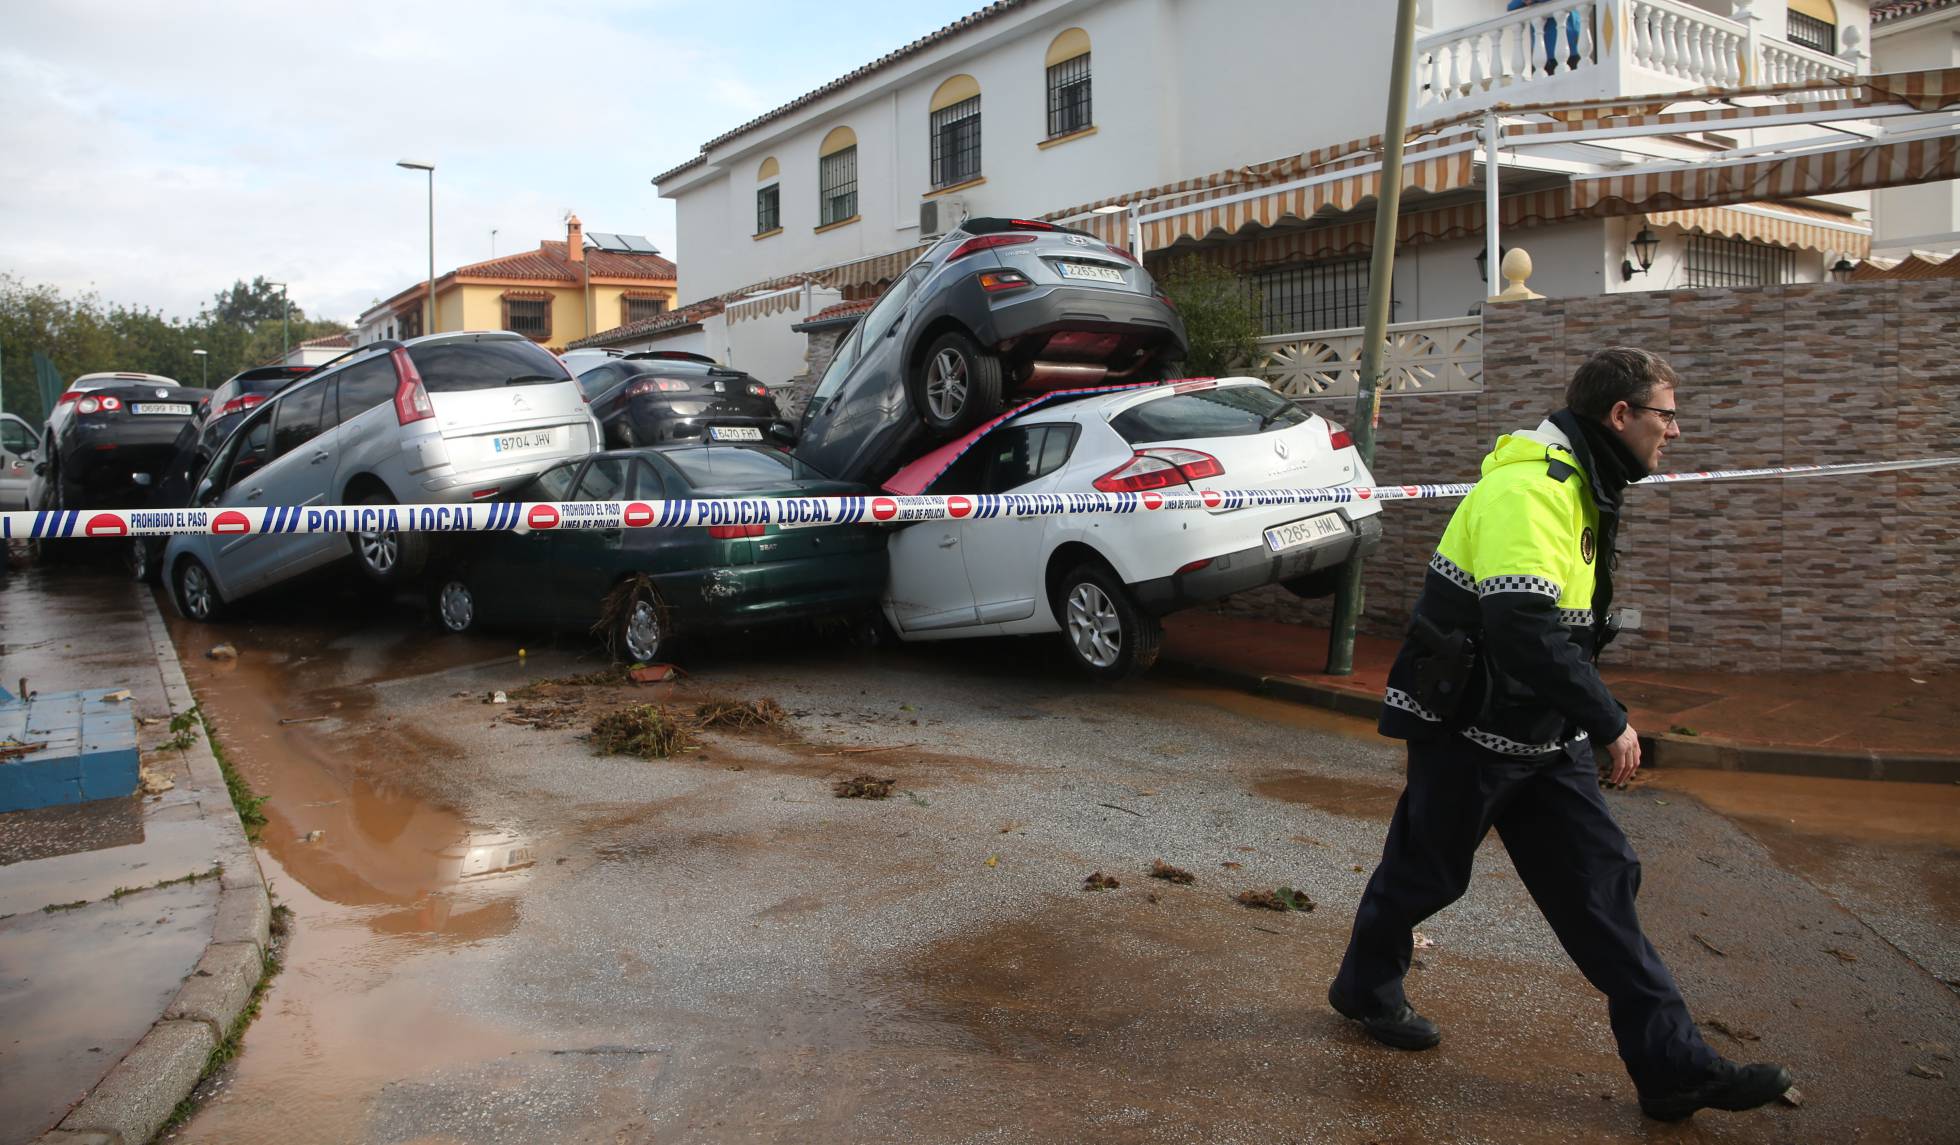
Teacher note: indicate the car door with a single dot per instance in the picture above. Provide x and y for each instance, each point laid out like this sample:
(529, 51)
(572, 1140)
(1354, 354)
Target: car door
(585, 563)
(1003, 553)
(16, 442)
(929, 588)
(242, 559)
(514, 572)
(300, 476)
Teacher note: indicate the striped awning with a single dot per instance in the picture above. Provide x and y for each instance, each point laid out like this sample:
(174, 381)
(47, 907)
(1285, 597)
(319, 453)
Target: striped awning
(1357, 236)
(870, 270)
(1778, 224)
(1342, 189)
(789, 298)
(1857, 166)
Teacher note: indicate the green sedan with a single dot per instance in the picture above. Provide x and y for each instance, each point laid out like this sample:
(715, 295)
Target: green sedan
(641, 587)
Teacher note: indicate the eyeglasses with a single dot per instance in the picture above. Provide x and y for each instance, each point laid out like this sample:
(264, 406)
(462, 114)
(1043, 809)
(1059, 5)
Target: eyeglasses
(1667, 415)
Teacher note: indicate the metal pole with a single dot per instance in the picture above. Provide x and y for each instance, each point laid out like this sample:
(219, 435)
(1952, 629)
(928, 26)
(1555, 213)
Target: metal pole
(431, 328)
(1381, 270)
(1493, 259)
(285, 334)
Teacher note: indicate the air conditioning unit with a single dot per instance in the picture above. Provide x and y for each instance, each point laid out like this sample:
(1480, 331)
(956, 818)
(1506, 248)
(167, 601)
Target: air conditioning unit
(937, 216)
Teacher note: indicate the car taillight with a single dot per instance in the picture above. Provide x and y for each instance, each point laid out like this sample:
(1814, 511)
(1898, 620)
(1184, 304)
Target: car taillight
(735, 532)
(994, 281)
(758, 390)
(1121, 253)
(979, 243)
(1159, 469)
(411, 400)
(241, 404)
(92, 404)
(654, 385)
(1338, 437)
(1032, 225)
(71, 395)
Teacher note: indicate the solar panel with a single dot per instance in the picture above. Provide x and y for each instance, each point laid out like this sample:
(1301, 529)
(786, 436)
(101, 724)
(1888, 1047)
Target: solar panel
(620, 244)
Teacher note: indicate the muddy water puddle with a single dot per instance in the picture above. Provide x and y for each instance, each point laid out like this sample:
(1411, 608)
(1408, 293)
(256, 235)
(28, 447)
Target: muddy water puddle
(1353, 798)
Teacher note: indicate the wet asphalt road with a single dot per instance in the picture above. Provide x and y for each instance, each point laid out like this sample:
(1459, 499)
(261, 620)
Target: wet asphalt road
(502, 937)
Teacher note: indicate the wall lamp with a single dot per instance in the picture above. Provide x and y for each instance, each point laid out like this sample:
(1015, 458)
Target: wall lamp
(1644, 245)
(1841, 270)
(1483, 260)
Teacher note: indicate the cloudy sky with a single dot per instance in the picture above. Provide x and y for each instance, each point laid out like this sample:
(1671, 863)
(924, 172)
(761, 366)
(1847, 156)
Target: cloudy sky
(154, 152)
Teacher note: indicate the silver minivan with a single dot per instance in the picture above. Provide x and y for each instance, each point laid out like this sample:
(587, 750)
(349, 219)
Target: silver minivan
(442, 418)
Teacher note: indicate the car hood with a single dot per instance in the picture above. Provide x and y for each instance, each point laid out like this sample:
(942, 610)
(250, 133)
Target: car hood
(918, 477)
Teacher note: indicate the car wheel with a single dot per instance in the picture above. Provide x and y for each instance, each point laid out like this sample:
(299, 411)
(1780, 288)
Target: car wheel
(1109, 637)
(640, 634)
(143, 554)
(454, 605)
(1316, 584)
(957, 385)
(870, 630)
(197, 594)
(386, 557)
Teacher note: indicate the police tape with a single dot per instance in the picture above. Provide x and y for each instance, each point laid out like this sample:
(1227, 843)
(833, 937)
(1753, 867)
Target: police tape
(785, 512)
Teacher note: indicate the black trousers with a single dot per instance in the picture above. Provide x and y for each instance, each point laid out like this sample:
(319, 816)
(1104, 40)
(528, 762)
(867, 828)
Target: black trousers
(1574, 860)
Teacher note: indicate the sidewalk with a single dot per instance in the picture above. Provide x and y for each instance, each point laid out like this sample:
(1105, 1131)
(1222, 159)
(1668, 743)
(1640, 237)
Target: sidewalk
(1835, 724)
(118, 974)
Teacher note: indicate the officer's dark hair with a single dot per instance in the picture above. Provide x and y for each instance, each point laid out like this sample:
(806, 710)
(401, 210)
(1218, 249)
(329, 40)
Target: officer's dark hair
(1616, 374)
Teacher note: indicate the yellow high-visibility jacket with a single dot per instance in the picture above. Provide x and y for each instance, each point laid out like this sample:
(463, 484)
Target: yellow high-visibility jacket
(1524, 569)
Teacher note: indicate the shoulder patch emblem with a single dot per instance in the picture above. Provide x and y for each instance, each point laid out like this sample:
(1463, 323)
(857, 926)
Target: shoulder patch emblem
(1586, 545)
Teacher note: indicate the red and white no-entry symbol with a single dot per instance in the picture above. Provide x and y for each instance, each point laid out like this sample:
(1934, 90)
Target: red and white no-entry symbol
(638, 515)
(105, 525)
(1213, 498)
(542, 517)
(1412, 490)
(1363, 492)
(957, 507)
(231, 521)
(884, 509)
(1153, 500)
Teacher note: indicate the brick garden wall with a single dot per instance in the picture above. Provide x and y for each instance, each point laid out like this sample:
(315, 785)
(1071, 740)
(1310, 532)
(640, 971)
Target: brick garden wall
(1840, 573)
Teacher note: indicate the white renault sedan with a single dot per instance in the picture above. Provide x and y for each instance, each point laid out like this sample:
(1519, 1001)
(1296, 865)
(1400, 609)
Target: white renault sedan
(1104, 580)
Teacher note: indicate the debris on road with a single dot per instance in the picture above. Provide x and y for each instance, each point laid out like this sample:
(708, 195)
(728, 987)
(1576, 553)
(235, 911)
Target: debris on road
(992, 861)
(741, 714)
(497, 697)
(644, 730)
(544, 716)
(863, 787)
(1711, 947)
(1159, 869)
(1097, 881)
(1279, 899)
(1230, 865)
(222, 652)
(1124, 810)
(867, 750)
(301, 720)
(652, 673)
(153, 782)
(1840, 955)
(1422, 941)
(117, 696)
(1738, 1033)
(1930, 1073)
(1792, 1097)
(14, 747)
(313, 836)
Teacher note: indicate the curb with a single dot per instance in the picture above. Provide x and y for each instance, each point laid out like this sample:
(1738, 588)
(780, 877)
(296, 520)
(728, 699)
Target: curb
(1662, 751)
(139, 1094)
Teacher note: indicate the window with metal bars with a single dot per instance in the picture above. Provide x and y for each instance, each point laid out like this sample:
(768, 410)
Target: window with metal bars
(1312, 296)
(638, 308)
(530, 317)
(837, 186)
(1713, 261)
(1068, 96)
(768, 208)
(956, 143)
(1810, 32)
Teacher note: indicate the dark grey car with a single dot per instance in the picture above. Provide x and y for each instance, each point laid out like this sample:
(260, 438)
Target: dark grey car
(996, 308)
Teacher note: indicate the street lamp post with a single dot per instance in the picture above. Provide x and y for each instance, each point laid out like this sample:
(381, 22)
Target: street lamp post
(203, 368)
(285, 310)
(429, 325)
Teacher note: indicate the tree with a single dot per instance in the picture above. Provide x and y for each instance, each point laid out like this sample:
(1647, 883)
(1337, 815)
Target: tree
(1220, 312)
(243, 305)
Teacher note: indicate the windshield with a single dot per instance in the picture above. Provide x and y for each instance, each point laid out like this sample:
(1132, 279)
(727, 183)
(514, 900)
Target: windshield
(738, 466)
(448, 367)
(1229, 411)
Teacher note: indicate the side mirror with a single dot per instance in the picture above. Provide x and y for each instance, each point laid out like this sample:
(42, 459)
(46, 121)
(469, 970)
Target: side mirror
(40, 469)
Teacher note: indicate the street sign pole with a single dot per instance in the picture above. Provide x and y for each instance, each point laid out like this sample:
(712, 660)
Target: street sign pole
(1381, 271)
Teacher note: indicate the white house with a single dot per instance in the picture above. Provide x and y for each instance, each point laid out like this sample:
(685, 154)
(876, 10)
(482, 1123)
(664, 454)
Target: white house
(1908, 35)
(1219, 127)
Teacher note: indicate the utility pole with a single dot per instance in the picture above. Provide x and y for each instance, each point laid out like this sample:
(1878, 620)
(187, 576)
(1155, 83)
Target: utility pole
(1381, 274)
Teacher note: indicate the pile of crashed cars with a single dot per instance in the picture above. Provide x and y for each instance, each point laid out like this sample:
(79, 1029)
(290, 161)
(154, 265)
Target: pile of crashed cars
(1012, 357)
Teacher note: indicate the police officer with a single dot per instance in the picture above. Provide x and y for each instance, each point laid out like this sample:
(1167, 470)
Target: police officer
(1496, 692)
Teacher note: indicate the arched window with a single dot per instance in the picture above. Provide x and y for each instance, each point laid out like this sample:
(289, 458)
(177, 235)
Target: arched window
(837, 177)
(1068, 84)
(955, 124)
(1813, 24)
(768, 198)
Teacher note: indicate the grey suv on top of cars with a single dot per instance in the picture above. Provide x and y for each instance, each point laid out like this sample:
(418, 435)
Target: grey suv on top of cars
(442, 418)
(996, 307)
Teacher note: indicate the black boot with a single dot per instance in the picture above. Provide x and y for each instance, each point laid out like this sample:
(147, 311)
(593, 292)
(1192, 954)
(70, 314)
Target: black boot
(1402, 1027)
(1728, 1087)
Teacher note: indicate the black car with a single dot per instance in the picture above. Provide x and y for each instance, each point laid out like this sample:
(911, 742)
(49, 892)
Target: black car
(660, 396)
(642, 586)
(109, 439)
(995, 308)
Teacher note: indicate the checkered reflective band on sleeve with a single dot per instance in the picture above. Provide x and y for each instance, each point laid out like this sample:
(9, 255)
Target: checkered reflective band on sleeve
(1447, 569)
(1491, 741)
(1397, 698)
(1575, 617)
(1511, 582)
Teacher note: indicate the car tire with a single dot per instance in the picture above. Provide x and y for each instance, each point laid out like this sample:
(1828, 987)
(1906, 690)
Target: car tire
(389, 559)
(869, 631)
(453, 604)
(196, 593)
(642, 634)
(956, 385)
(1107, 635)
(1316, 584)
(144, 557)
